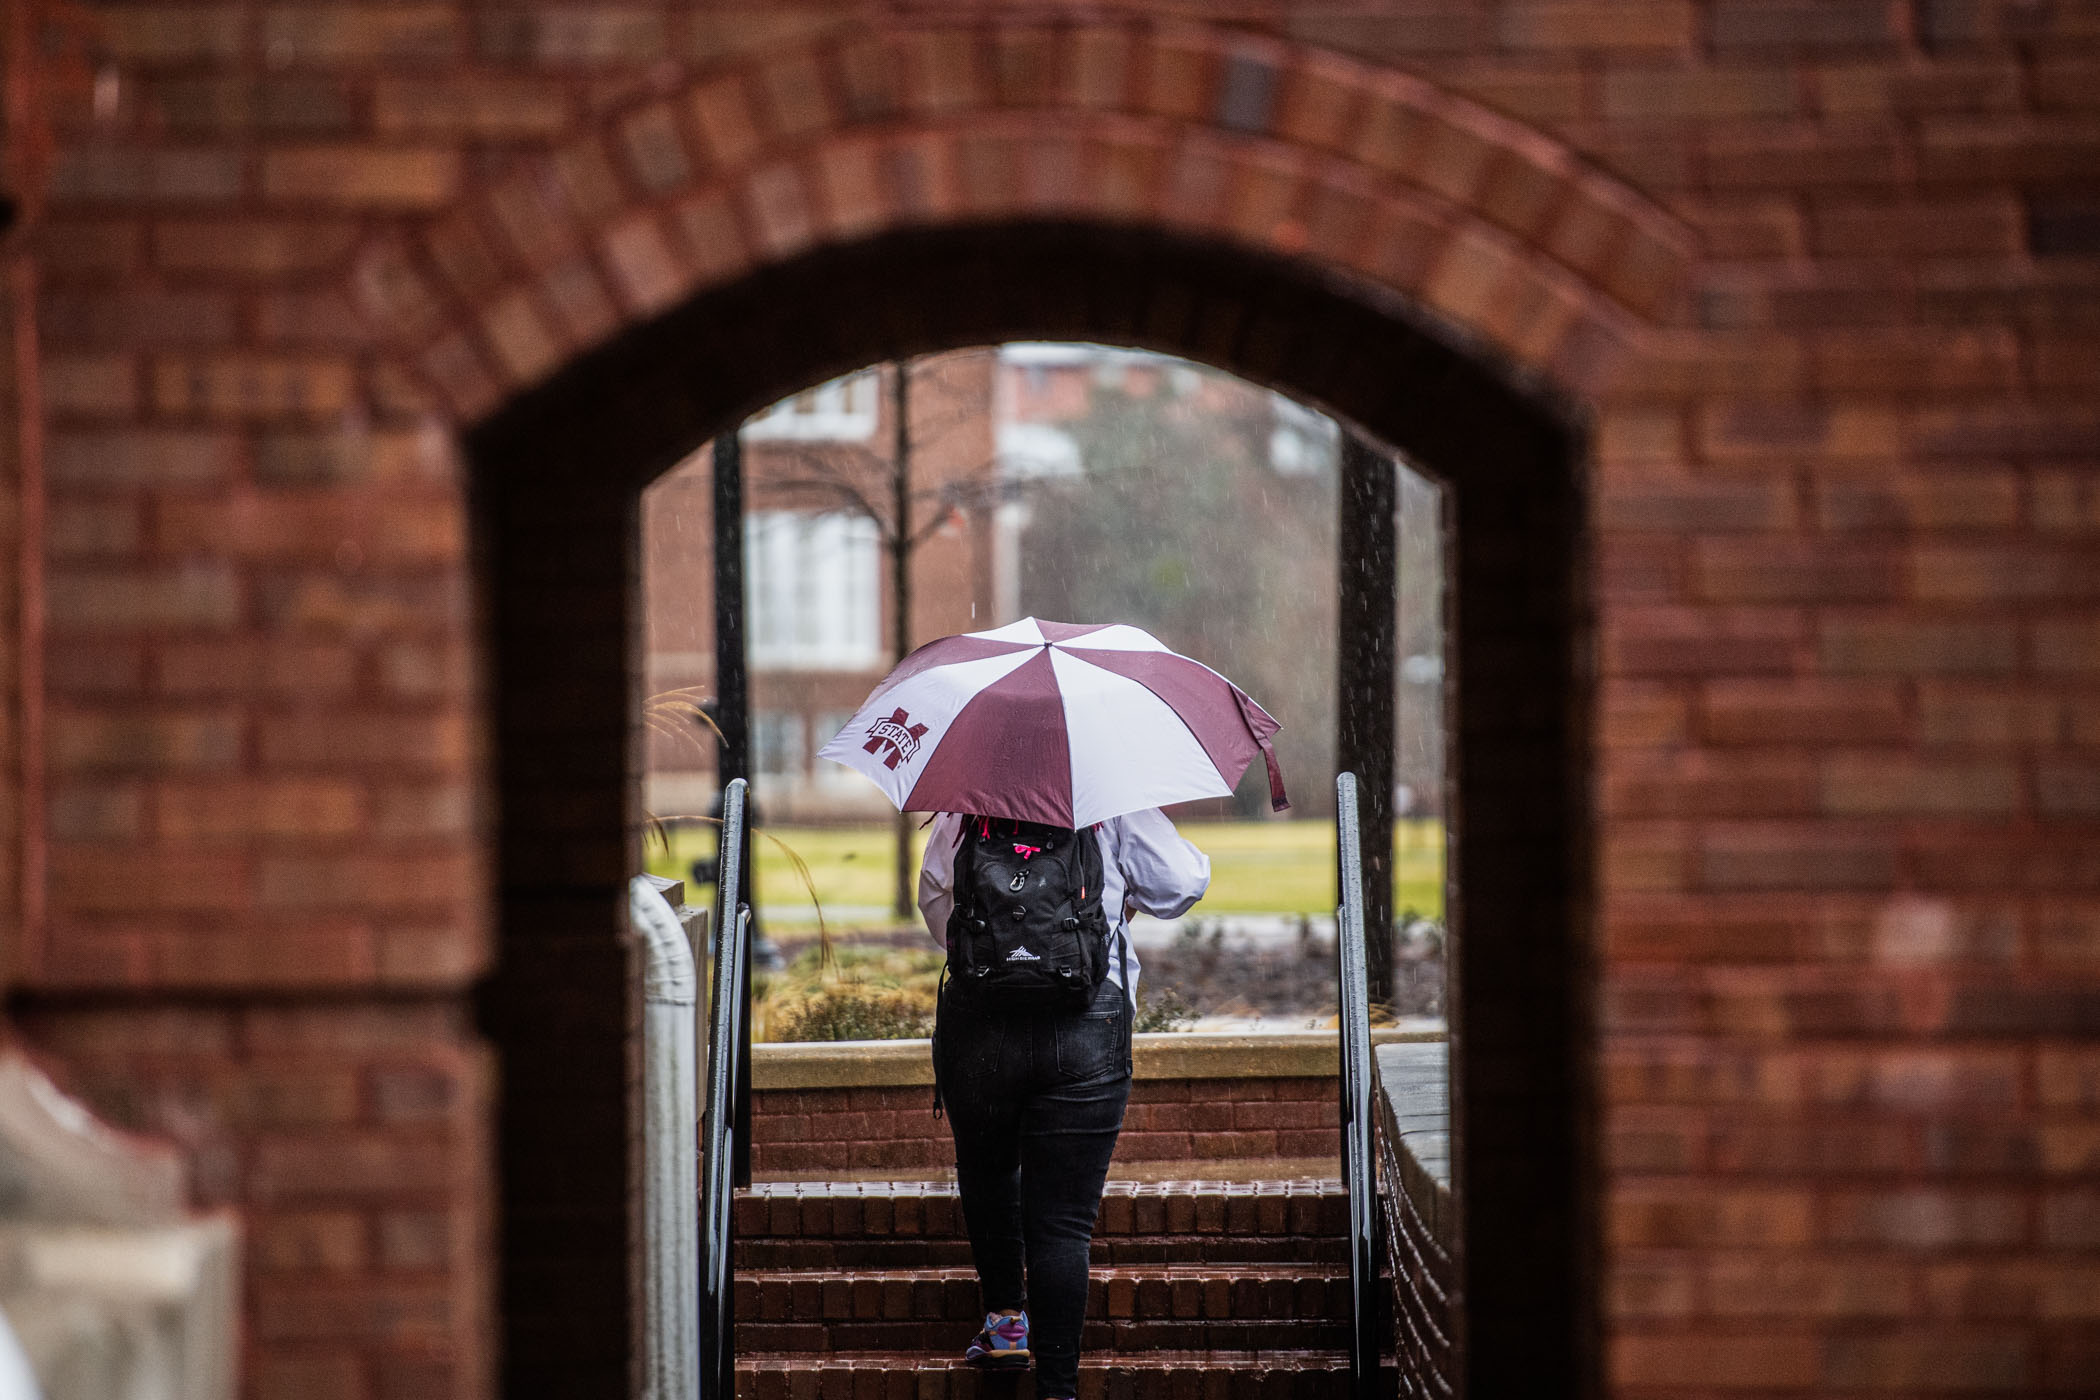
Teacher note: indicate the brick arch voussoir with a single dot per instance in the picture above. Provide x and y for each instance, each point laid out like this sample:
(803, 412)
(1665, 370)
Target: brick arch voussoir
(1498, 232)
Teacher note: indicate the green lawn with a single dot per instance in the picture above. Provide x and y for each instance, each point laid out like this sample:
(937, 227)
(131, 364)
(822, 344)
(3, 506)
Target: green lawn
(1265, 867)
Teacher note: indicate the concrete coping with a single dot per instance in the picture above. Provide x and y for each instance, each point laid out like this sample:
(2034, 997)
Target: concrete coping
(871, 1064)
(1414, 1119)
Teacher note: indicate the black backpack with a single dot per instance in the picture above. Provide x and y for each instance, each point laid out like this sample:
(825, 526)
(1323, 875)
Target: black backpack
(1028, 928)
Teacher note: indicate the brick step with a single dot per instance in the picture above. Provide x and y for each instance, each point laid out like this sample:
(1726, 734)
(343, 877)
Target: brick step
(1163, 1307)
(1292, 1374)
(1128, 1251)
(1107, 1336)
(930, 1209)
(916, 1224)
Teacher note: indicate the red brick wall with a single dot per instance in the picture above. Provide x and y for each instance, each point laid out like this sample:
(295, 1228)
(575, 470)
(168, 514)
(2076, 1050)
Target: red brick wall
(1819, 276)
(11, 823)
(798, 1133)
(351, 1140)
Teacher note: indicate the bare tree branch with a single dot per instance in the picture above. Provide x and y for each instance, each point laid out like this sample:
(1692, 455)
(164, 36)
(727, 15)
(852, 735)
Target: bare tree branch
(850, 473)
(842, 488)
(929, 530)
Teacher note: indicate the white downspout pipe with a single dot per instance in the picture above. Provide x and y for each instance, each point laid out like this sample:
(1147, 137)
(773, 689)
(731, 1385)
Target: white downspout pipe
(670, 1149)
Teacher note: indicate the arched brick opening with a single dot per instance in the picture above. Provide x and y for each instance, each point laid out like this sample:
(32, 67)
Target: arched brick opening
(558, 475)
(1216, 133)
(1432, 272)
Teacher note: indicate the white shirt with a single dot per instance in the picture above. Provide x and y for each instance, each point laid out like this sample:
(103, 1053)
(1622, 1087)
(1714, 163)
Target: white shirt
(1146, 865)
(17, 1380)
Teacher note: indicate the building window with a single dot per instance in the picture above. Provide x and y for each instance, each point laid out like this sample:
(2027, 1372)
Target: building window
(1032, 451)
(1302, 442)
(778, 746)
(833, 775)
(841, 411)
(815, 603)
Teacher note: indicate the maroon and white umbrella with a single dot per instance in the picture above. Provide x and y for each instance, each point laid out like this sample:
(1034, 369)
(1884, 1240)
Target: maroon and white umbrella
(1054, 722)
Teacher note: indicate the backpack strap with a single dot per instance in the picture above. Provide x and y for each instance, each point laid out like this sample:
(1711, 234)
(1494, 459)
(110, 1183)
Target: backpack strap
(963, 881)
(940, 989)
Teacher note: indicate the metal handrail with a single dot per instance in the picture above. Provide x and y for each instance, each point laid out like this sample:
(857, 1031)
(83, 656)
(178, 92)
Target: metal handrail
(670, 1141)
(1355, 1006)
(726, 1031)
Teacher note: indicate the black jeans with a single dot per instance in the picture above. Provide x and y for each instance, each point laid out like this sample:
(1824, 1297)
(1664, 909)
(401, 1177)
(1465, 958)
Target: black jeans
(1035, 1100)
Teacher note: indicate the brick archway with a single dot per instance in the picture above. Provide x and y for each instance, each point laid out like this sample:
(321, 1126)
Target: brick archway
(1444, 279)
(1498, 232)
(558, 475)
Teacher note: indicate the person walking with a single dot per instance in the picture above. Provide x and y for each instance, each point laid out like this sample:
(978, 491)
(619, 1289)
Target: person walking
(1035, 1088)
(1049, 748)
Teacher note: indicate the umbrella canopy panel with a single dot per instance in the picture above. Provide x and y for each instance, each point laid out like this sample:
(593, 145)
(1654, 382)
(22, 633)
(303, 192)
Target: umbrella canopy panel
(1062, 723)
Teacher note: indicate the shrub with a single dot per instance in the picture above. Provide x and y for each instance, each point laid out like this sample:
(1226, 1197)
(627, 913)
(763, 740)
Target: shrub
(852, 1012)
(1167, 1012)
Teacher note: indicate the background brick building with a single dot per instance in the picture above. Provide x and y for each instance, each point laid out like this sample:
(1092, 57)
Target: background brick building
(822, 614)
(1810, 290)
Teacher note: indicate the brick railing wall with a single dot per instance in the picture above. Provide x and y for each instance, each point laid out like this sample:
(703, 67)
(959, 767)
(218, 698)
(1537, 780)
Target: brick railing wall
(861, 1108)
(850, 1131)
(1420, 1222)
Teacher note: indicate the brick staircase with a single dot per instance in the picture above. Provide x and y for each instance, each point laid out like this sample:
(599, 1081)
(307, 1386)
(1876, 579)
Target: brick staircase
(864, 1291)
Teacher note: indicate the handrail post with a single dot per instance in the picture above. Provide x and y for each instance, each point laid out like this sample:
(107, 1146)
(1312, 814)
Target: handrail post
(726, 1030)
(1355, 1007)
(670, 1145)
(733, 713)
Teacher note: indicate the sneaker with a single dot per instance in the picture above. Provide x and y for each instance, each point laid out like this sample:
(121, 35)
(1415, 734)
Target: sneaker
(1003, 1343)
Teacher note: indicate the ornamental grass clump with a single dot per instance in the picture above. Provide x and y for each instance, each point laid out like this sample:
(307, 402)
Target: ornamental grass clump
(847, 1011)
(1165, 1012)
